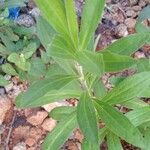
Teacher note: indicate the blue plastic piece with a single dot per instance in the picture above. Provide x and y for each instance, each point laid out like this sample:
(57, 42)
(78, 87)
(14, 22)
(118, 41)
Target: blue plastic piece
(14, 13)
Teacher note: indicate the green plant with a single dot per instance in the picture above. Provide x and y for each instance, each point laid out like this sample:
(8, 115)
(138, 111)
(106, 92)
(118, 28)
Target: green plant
(18, 44)
(75, 72)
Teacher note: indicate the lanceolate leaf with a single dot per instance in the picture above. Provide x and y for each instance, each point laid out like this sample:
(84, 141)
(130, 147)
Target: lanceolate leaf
(135, 104)
(92, 13)
(54, 12)
(39, 89)
(59, 113)
(3, 82)
(86, 116)
(129, 88)
(44, 32)
(119, 124)
(113, 142)
(129, 44)
(139, 116)
(72, 21)
(60, 134)
(114, 62)
(60, 48)
(86, 145)
(91, 62)
(145, 14)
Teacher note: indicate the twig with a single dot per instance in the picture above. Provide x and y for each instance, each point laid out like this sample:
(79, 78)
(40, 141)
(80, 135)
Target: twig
(10, 131)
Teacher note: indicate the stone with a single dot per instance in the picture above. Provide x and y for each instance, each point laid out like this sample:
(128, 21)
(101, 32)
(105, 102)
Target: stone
(37, 118)
(130, 13)
(30, 141)
(136, 8)
(5, 105)
(25, 20)
(49, 124)
(130, 23)
(121, 30)
(35, 12)
(20, 146)
(139, 55)
(133, 2)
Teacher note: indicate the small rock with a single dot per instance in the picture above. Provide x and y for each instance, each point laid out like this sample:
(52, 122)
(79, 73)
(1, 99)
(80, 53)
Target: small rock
(30, 141)
(25, 20)
(49, 124)
(130, 13)
(35, 12)
(130, 23)
(142, 3)
(147, 1)
(133, 2)
(78, 135)
(5, 105)
(20, 146)
(139, 55)
(37, 118)
(136, 8)
(2, 91)
(121, 30)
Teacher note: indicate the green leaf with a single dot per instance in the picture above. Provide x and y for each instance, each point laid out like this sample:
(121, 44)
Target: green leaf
(21, 61)
(72, 21)
(13, 3)
(139, 116)
(134, 104)
(86, 116)
(39, 89)
(119, 124)
(143, 65)
(60, 133)
(129, 44)
(3, 82)
(92, 13)
(86, 145)
(60, 113)
(144, 14)
(54, 13)
(114, 62)
(61, 48)
(91, 62)
(44, 32)
(113, 141)
(8, 69)
(29, 50)
(129, 89)
(37, 69)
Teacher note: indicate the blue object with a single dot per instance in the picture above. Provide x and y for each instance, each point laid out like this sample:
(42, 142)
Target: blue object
(14, 13)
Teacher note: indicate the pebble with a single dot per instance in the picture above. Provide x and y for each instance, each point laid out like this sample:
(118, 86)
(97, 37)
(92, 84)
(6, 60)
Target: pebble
(37, 118)
(35, 12)
(2, 91)
(121, 30)
(133, 2)
(136, 8)
(130, 13)
(5, 105)
(30, 141)
(49, 124)
(25, 20)
(20, 146)
(130, 23)
(139, 55)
